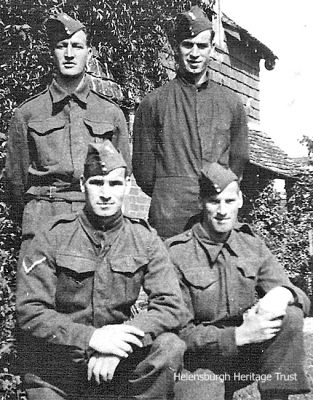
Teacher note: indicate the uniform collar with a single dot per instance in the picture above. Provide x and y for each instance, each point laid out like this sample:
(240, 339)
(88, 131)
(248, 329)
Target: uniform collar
(58, 94)
(214, 248)
(99, 233)
(184, 79)
(233, 243)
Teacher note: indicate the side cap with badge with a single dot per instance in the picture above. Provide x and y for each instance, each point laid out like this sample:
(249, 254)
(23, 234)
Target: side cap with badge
(102, 158)
(61, 25)
(215, 178)
(190, 23)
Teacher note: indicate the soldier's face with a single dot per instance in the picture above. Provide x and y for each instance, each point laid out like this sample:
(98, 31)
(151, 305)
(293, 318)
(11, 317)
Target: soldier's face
(221, 211)
(105, 193)
(71, 55)
(194, 54)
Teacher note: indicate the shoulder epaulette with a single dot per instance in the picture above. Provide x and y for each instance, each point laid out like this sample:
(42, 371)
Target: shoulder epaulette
(103, 96)
(140, 221)
(33, 97)
(246, 229)
(180, 238)
(60, 219)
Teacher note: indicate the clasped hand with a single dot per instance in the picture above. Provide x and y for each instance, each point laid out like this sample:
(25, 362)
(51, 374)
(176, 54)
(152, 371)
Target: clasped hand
(112, 343)
(263, 321)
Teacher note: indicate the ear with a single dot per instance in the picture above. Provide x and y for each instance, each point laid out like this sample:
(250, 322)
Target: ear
(240, 199)
(176, 52)
(89, 56)
(82, 182)
(213, 50)
(54, 57)
(127, 185)
(200, 202)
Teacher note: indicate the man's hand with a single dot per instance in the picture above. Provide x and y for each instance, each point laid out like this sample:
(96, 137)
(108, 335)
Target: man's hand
(275, 302)
(257, 328)
(102, 367)
(116, 339)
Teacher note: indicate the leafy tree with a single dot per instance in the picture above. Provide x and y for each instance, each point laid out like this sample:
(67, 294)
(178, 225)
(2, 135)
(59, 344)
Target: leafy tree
(308, 143)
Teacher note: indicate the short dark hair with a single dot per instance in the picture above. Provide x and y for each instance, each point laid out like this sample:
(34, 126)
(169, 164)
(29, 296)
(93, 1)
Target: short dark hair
(207, 188)
(175, 44)
(57, 36)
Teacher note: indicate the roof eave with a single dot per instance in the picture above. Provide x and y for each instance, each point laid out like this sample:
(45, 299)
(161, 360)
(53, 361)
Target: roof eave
(264, 52)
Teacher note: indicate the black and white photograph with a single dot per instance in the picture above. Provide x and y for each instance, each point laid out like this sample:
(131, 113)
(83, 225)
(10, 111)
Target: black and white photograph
(156, 200)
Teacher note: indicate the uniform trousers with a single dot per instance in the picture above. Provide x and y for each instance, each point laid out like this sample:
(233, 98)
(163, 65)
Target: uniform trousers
(276, 365)
(148, 373)
(38, 211)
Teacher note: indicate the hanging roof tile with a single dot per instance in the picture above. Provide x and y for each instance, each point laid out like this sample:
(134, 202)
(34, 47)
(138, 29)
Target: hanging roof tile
(266, 154)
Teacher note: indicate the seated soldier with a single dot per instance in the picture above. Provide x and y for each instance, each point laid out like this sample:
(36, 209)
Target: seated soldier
(80, 277)
(247, 315)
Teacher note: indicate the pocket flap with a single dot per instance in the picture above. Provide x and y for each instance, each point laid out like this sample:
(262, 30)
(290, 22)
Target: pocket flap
(99, 128)
(47, 125)
(128, 264)
(247, 267)
(74, 263)
(200, 277)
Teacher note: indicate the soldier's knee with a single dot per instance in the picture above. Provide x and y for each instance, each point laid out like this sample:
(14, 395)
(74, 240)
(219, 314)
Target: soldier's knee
(41, 393)
(293, 320)
(170, 342)
(172, 347)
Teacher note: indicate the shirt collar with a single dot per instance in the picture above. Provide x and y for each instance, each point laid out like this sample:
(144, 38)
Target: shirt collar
(99, 233)
(58, 94)
(187, 82)
(233, 243)
(214, 248)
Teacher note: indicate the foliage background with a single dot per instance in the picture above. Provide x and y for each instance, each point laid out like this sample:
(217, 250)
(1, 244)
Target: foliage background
(127, 37)
(285, 224)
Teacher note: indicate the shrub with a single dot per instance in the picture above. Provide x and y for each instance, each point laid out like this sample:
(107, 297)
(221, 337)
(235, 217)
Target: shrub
(285, 226)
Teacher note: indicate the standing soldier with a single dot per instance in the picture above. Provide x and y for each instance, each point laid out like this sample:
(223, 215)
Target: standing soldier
(188, 121)
(49, 133)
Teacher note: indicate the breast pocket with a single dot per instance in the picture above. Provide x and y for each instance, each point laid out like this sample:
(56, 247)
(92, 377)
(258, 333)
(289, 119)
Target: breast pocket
(75, 283)
(48, 140)
(246, 283)
(100, 130)
(200, 278)
(127, 277)
(204, 290)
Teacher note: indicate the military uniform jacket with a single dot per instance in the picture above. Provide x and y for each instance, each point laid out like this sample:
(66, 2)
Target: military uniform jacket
(48, 138)
(76, 278)
(220, 281)
(178, 127)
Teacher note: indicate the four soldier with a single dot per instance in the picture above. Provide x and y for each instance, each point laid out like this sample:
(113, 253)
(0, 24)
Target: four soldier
(81, 273)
